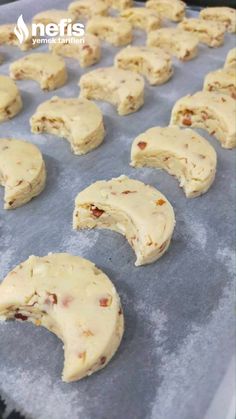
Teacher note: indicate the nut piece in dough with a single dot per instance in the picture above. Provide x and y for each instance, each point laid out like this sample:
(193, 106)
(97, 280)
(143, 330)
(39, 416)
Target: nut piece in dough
(71, 297)
(142, 18)
(222, 81)
(48, 70)
(231, 59)
(120, 4)
(54, 16)
(153, 63)
(170, 9)
(87, 53)
(122, 88)
(177, 42)
(10, 99)
(88, 8)
(8, 37)
(225, 15)
(208, 32)
(22, 172)
(78, 120)
(182, 153)
(139, 212)
(214, 112)
(115, 30)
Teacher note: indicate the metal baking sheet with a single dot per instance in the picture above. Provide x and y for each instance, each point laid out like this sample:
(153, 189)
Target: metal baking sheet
(179, 336)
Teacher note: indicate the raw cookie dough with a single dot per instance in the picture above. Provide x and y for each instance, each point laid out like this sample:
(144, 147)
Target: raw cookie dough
(182, 153)
(142, 18)
(54, 16)
(222, 80)
(153, 63)
(225, 15)
(115, 30)
(22, 172)
(170, 9)
(48, 70)
(138, 211)
(182, 44)
(214, 112)
(87, 53)
(120, 4)
(8, 37)
(231, 59)
(10, 99)
(78, 120)
(122, 88)
(88, 8)
(71, 297)
(208, 32)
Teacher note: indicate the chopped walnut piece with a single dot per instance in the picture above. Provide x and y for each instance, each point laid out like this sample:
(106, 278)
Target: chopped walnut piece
(142, 145)
(96, 212)
(103, 360)
(20, 316)
(160, 202)
(105, 302)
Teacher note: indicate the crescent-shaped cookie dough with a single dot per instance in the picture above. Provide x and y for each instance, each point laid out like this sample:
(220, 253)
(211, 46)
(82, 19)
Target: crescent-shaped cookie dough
(78, 120)
(225, 15)
(177, 42)
(208, 32)
(231, 59)
(72, 298)
(115, 30)
(88, 8)
(8, 37)
(170, 9)
(139, 212)
(142, 18)
(122, 88)
(22, 172)
(222, 81)
(214, 112)
(153, 63)
(48, 70)
(182, 153)
(10, 99)
(87, 53)
(54, 16)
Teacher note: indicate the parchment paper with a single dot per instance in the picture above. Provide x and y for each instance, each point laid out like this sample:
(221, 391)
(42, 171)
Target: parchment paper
(179, 334)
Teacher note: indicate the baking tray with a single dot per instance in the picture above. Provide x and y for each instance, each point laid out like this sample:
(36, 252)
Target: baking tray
(179, 336)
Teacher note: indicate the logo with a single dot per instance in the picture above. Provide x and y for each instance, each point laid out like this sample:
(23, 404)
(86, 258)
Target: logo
(45, 34)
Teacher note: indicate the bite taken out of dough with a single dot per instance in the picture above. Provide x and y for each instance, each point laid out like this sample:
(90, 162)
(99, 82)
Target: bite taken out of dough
(48, 70)
(114, 30)
(10, 98)
(8, 37)
(80, 121)
(153, 63)
(181, 152)
(224, 15)
(72, 298)
(212, 111)
(142, 18)
(208, 32)
(137, 211)
(85, 9)
(222, 81)
(169, 9)
(122, 88)
(22, 172)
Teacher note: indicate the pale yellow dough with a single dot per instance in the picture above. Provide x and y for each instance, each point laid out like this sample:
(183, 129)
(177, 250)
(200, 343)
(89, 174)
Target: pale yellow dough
(8, 37)
(231, 59)
(153, 63)
(88, 8)
(170, 9)
(22, 172)
(208, 32)
(87, 53)
(120, 4)
(54, 16)
(182, 153)
(122, 88)
(142, 18)
(47, 69)
(115, 30)
(71, 297)
(177, 42)
(138, 211)
(10, 99)
(225, 15)
(214, 112)
(78, 120)
(222, 81)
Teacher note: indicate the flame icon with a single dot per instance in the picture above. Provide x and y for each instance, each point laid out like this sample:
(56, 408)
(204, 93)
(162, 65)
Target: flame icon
(21, 30)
